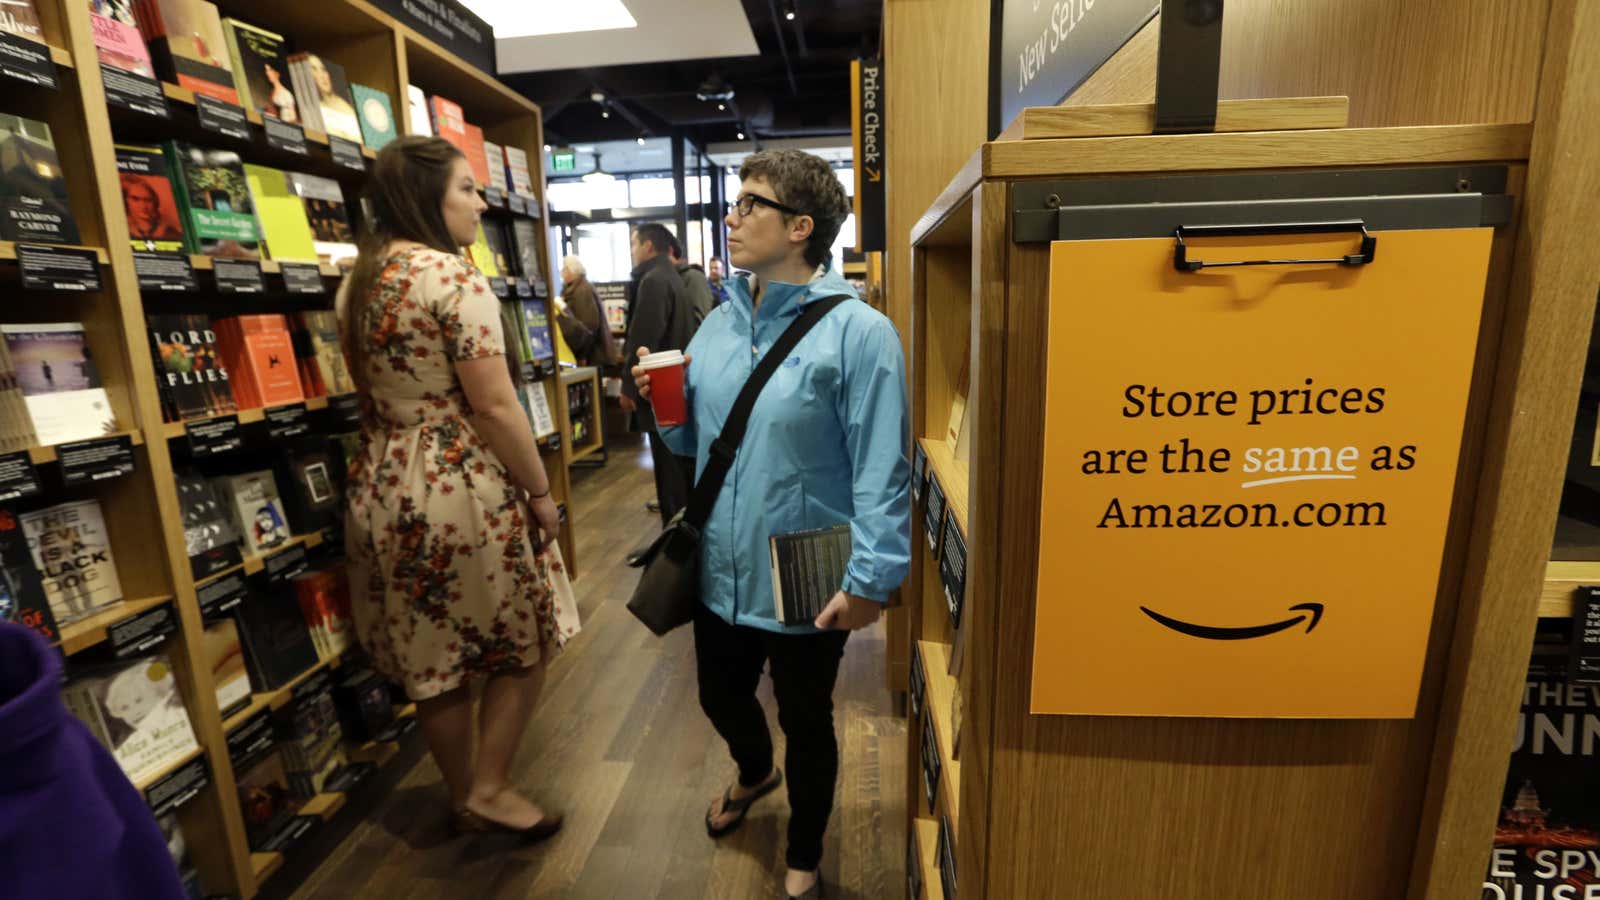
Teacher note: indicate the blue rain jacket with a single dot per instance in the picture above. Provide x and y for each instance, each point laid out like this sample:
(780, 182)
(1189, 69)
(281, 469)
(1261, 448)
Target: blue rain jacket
(826, 443)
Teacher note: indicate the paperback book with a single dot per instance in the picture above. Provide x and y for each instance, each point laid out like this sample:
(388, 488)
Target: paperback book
(284, 226)
(807, 569)
(33, 187)
(16, 425)
(376, 113)
(252, 505)
(18, 17)
(188, 46)
(482, 256)
(148, 199)
(193, 380)
(219, 219)
(325, 605)
(331, 234)
(495, 162)
(207, 526)
(261, 70)
(309, 738)
(259, 353)
(477, 154)
(72, 551)
(448, 123)
(540, 344)
(544, 424)
(329, 89)
(517, 171)
(525, 240)
(117, 40)
(322, 325)
(61, 387)
(135, 710)
(310, 498)
(421, 120)
(265, 799)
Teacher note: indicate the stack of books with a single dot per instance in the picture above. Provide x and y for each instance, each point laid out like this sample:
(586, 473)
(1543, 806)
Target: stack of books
(187, 45)
(259, 353)
(309, 737)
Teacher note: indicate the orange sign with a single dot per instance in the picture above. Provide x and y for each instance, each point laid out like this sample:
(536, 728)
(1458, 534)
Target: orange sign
(1248, 473)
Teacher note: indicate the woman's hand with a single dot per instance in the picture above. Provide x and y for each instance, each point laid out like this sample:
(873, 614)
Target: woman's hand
(547, 516)
(847, 612)
(641, 378)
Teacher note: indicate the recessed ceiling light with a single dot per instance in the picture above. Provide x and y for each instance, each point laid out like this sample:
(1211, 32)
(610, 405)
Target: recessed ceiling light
(741, 135)
(547, 148)
(721, 107)
(641, 140)
(527, 18)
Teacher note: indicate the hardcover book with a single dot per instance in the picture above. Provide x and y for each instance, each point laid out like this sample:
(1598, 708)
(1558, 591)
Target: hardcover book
(311, 501)
(325, 605)
(540, 345)
(807, 570)
(309, 737)
(482, 256)
(72, 551)
(148, 199)
(252, 504)
(544, 424)
(117, 40)
(376, 113)
(518, 172)
(494, 236)
(188, 46)
(33, 187)
(525, 240)
(277, 644)
(135, 710)
(307, 100)
(331, 235)
(365, 710)
(230, 676)
(448, 123)
(259, 352)
(495, 161)
(189, 369)
(323, 327)
(207, 525)
(65, 399)
(261, 70)
(284, 226)
(477, 154)
(219, 219)
(22, 594)
(20, 18)
(265, 799)
(421, 120)
(327, 83)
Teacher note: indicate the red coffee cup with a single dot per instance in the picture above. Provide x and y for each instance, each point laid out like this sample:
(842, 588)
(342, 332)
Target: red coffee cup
(666, 387)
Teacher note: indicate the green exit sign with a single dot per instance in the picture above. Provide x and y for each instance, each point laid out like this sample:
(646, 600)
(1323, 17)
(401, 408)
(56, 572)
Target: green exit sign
(564, 161)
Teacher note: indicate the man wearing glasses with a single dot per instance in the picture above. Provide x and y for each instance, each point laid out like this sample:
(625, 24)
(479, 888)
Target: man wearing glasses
(826, 445)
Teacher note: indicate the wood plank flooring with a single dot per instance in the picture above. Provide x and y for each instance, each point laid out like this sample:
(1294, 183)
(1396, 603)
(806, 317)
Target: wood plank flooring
(619, 744)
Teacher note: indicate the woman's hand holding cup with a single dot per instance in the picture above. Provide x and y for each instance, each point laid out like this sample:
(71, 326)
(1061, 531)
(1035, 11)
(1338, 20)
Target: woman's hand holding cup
(669, 367)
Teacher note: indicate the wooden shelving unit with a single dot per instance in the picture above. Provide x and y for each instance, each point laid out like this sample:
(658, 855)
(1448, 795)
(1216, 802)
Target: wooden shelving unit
(595, 442)
(142, 513)
(1561, 579)
(172, 430)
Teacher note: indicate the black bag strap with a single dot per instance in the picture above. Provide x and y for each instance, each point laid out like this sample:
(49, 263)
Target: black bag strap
(723, 449)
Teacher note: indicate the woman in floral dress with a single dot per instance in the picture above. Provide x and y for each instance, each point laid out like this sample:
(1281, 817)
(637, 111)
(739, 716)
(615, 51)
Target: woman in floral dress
(449, 505)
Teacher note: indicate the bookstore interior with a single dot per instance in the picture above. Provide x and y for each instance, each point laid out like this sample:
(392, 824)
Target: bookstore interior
(1370, 668)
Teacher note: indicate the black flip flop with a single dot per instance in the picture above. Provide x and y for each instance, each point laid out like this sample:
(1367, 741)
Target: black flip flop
(742, 805)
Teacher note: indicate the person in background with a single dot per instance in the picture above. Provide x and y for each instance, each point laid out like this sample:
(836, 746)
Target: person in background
(694, 282)
(448, 504)
(826, 445)
(661, 317)
(583, 322)
(719, 294)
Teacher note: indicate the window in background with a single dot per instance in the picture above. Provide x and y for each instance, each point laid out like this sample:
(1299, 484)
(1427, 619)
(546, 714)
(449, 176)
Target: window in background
(567, 196)
(651, 191)
(845, 241)
(603, 247)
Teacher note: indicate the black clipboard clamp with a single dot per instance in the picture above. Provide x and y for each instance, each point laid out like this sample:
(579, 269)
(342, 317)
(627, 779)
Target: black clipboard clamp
(1182, 262)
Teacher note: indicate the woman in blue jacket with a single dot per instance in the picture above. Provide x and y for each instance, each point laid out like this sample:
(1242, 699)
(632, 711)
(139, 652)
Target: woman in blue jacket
(826, 445)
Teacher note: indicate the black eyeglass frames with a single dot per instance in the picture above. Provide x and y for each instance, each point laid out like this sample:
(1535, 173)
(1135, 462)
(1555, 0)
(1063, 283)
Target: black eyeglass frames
(746, 204)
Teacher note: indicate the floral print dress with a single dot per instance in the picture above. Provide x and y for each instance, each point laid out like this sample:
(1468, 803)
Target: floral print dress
(445, 584)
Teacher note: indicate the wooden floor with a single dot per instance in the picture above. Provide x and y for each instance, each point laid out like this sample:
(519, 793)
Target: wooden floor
(619, 744)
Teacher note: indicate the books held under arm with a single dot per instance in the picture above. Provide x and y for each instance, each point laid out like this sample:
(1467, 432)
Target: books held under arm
(807, 570)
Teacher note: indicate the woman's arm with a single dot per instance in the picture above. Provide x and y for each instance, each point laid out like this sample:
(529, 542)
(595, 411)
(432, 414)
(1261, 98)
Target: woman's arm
(503, 424)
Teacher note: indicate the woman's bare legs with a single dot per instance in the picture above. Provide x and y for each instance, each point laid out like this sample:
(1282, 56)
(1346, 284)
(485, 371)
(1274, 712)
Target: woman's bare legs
(446, 722)
(508, 701)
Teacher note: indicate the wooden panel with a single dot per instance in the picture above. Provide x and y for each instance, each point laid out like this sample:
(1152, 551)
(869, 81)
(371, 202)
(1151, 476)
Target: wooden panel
(1283, 114)
(941, 690)
(954, 476)
(85, 633)
(1263, 150)
(1560, 580)
(927, 836)
(1550, 311)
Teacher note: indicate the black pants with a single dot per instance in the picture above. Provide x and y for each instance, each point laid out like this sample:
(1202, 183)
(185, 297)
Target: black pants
(804, 668)
(674, 477)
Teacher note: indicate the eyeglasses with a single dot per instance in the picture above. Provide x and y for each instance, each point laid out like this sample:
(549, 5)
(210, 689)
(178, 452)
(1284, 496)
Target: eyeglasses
(746, 204)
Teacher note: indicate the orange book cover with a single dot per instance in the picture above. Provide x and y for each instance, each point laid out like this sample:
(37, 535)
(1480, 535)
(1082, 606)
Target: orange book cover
(270, 360)
(230, 343)
(448, 123)
(477, 155)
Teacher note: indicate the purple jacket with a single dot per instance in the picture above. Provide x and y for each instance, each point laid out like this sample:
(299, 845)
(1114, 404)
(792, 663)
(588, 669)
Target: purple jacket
(71, 825)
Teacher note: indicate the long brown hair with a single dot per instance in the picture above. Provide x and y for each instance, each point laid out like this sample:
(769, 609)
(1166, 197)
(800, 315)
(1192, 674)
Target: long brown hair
(404, 201)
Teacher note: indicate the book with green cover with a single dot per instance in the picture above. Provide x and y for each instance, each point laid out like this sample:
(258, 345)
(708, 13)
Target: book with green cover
(261, 70)
(283, 217)
(376, 112)
(219, 219)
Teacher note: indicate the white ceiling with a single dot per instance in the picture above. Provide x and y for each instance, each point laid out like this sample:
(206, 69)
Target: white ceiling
(668, 30)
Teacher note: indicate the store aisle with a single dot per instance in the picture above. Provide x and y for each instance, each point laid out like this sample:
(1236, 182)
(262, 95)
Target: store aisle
(620, 745)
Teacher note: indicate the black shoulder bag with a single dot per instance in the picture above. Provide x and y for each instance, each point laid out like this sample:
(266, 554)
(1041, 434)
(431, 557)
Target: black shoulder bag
(669, 589)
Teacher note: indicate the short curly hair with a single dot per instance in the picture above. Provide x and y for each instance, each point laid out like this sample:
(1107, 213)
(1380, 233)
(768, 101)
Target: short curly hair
(808, 184)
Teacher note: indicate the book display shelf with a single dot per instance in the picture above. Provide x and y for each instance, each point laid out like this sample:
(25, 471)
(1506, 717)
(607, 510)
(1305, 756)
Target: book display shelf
(1169, 804)
(584, 400)
(178, 539)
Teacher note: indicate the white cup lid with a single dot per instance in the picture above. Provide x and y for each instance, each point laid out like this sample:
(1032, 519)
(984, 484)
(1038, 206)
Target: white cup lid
(662, 360)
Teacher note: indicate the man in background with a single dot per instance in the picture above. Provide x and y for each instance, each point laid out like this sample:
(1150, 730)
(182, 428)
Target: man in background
(694, 282)
(661, 317)
(719, 294)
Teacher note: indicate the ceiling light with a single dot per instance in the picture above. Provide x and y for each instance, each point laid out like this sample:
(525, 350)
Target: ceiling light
(526, 18)
(722, 107)
(605, 112)
(547, 148)
(741, 135)
(641, 140)
(788, 11)
(598, 176)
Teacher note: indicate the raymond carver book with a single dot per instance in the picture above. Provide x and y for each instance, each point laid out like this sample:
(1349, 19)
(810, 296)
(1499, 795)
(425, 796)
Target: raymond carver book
(33, 188)
(219, 219)
(154, 220)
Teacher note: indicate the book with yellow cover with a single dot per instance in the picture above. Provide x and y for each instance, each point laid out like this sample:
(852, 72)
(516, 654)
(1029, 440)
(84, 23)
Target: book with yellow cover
(282, 215)
(483, 256)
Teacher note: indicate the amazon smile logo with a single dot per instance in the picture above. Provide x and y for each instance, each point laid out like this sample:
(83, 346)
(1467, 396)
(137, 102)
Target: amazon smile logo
(1217, 633)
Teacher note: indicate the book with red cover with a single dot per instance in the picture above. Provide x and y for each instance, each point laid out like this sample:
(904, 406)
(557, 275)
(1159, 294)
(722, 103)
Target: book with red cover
(259, 352)
(188, 46)
(448, 122)
(477, 155)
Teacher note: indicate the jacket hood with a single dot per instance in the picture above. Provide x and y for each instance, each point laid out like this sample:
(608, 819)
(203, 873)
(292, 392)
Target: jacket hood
(30, 697)
(780, 295)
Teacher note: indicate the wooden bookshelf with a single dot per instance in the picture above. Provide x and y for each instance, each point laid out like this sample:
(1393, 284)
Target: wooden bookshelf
(1561, 579)
(90, 631)
(48, 453)
(954, 476)
(171, 430)
(8, 251)
(940, 694)
(926, 833)
(174, 765)
(202, 263)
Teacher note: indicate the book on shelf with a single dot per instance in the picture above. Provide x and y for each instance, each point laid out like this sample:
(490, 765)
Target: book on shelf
(376, 112)
(277, 644)
(325, 603)
(252, 505)
(807, 570)
(306, 98)
(19, 17)
(261, 70)
(537, 321)
(72, 550)
(495, 161)
(448, 123)
(544, 424)
(210, 538)
(322, 325)
(331, 234)
(218, 218)
(304, 473)
(22, 593)
(285, 230)
(327, 93)
(421, 123)
(482, 256)
(362, 699)
(229, 674)
(148, 199)
(517, 171)
(188, 46)
(33, 186)
(60, 384)
(135, 710)
(494, 237)
(309, 737)
(16, 425)
(265, 799)
(190, 374)
(178, 849)
(525, 240)
(117, 40)
(477, 154)
(305, 359)
(259, 353)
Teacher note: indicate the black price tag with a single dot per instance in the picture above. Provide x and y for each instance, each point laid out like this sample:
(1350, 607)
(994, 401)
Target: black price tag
(933, 513)
(320, 682)
(498, 285)
(350, 777)
(518, 204)
(494, 197)
(213, 436)
(947, 858)
(46, 268)
(287, 564)
(238, 276)
(18, 478)
(96, 460)
(930, 761)
(287, 421)
(918, 684)
(161, 271)
(347, 153)
(26, 61)
(302, 278)
(953, 570)
(1584, 667)
(178, 788)
(397, 730)
(133, 91)
(285, 136)
(919, 467)
(345, 410)
(524, 288)
(222, 117)
(250, 740)
(221, 597)
(290, 834)
(540, 289)
(142, 632)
